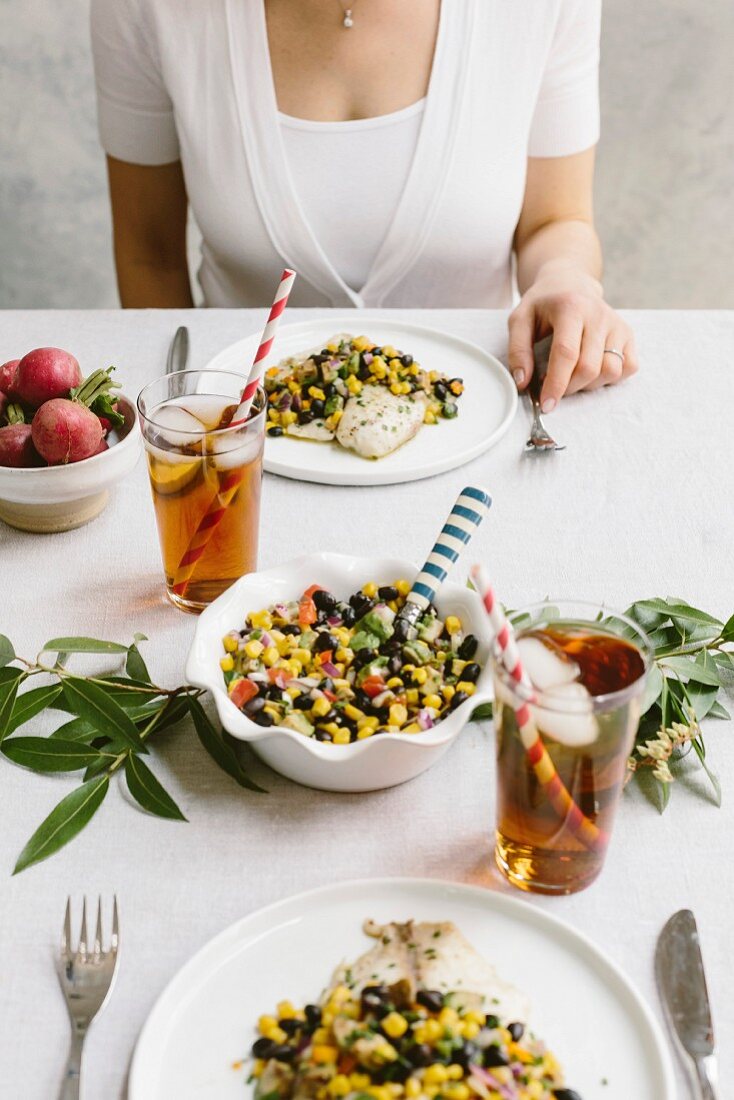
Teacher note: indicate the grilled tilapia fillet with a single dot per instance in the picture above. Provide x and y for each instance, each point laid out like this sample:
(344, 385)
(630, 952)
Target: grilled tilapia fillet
(376, 422)
(413, 956)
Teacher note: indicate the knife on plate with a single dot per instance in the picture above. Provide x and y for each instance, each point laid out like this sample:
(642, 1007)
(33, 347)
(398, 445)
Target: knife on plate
(682, 985)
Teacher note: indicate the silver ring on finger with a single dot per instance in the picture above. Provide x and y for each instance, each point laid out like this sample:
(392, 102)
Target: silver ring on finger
(615, 351)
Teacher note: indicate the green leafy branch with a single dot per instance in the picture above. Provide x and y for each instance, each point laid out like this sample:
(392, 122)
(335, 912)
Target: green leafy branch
(112, 720)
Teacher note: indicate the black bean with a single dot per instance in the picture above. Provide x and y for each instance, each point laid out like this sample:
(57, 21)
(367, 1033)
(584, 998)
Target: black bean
(376, 351)
(469, 1053)
(290, 1026)
(395, 1071)
(325, 640)
(493, 1056)
(264, 1048)
(566, 1094)
(303, 701)
(374, 996)
(322, 735)
(363, 657)
(492, 1022)
(305, 416)
(388, 592)
(348, 614)
(328, 389)
(325, 352)
(391, 647)
(468, 648)
(317, 407)
(471, 672)
(313, 1015)
(439, 389)
(406, 360)
(289, 628)
(420, 1054)
(459, 698)
(284, 1053)
(395, 664)
(347, 723)
(402, 629)
(254, 705)
(516, 1030)
(319, 359)
(275, 693)
(263, 718)
(275, 430)
(361, 603)
(432, 999)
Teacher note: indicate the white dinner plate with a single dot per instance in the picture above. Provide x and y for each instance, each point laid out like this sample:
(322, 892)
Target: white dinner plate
(486, 408)
(583, 1007)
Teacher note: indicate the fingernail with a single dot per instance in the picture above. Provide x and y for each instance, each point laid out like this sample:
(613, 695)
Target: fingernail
(519, 376)
(549, 404)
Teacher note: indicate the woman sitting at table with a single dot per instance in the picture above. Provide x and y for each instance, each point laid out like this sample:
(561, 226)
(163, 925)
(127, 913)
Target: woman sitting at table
(416, 154)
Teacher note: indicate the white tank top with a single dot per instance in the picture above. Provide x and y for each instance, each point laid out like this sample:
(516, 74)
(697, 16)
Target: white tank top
(368, 161)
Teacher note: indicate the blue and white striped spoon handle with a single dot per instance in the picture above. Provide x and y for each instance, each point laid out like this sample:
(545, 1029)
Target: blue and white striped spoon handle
(471, 507)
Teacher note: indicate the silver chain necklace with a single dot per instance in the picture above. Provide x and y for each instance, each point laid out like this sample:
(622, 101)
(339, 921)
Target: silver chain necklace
(348, 20)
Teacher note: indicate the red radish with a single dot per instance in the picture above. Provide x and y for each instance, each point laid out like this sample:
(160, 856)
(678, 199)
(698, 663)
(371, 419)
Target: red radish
(16, 446)
(8, 372)
(44, 374)
(3, 405)
(103, 446)
(106, 424)
(66, 431)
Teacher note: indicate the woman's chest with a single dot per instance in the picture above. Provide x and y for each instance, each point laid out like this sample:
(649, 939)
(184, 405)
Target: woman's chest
(325, 70)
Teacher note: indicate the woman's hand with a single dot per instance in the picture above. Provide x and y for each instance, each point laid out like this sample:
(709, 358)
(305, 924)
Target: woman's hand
(568, 302)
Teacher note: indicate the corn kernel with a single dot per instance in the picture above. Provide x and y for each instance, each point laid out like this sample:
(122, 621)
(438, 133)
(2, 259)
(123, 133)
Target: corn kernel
(339, 736)
(395, 1089)
(535, 1090)
(456, 1091)
(386, 1052)
(322, 1055)
(293, 666)
(433, 1030)
(230, 643)
(436, 1074)
(379, 1092)
(353, 384)
(273, 416)
(335, 418)
(257, 1068)
(394, 1024)
(405, 387)
(403, 587)
(253, 649)
(475, 1017)
(339, 1085)
(429, 417)
(449, 1017)
(359, 1080)
(332, 347)
(414, 369)
(288, 418)
(271, 656)
(411, 697)
(398, 714)
(394, 682)
(466, 686)
(314, 391)
(412, 728)
(395, 388)
(434, 701)
(344, 655)
(378, 367)
(353, 712)
(369, 589)
(226, 663)
(364, 733)
(266, 1023)
(456, 1072)
(390, 353)
(361, 343)
(286, 1011)
(262, 619)
(448, 692)
(470, 1030)
(419, 676)
(412, 1088)
(368, 722)
(320, 1036)
(452, 624)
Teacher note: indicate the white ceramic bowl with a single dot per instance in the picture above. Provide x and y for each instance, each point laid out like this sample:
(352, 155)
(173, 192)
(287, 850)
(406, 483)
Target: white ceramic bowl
(367, 765)
(58, 498)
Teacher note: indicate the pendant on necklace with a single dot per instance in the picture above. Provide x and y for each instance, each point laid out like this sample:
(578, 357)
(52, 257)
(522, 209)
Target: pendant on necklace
(348, 21)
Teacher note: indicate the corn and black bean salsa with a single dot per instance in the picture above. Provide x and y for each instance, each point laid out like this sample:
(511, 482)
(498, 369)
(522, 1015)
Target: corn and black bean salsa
(378, 1046)
(342, 671)
(317, 387)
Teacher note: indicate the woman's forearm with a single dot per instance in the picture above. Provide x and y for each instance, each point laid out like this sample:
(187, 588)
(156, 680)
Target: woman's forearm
(145, 284)
(569, 244)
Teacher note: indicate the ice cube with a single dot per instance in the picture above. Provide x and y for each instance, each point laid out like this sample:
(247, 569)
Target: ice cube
(176, 426)
(571, 721)
(544, 667)
(233, 449)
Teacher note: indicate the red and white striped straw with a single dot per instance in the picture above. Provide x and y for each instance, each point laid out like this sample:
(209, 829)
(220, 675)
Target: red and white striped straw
(579, 824)
(266, 342)
(230, 482)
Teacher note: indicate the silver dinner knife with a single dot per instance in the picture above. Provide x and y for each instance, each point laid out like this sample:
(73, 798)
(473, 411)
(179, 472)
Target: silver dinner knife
(682, 986)
(178, 353)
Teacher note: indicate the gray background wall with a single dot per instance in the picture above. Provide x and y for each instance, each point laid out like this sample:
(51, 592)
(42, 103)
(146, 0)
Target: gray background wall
(665, 178)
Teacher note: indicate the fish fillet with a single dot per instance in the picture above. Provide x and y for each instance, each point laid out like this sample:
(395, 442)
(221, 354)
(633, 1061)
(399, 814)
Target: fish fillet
(376, 422)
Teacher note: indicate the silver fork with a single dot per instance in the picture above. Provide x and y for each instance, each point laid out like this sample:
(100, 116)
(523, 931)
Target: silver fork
(86, 977)
(540, 439)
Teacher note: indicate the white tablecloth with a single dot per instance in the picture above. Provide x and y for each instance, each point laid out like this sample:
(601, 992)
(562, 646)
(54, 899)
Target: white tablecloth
(639, 505)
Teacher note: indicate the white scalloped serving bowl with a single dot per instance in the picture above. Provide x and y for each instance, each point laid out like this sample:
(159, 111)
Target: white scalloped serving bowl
(59, 498)
(372, 764)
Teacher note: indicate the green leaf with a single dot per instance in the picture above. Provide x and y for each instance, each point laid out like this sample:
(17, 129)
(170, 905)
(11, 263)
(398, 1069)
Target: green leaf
(702, 699)
(174, 710)
(135, 665)
(76, 730)
(653, 687)
(218, 749)
(31, 703)
(484, 710)
(148, 792)
(82, 645)
(8, 693)
(719, 711)
(7, 653)
(727, 634)
(664, 792)
(678, 612)
(702, 672)
(715, 782)
(64, 822)
(92, 702)
(48, 754)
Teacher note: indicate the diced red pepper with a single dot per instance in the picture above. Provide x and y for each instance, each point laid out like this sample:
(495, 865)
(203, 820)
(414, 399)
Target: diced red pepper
(242, 691)
(325, 656)
(373, 685)
(279, 677)
(330, 695)
(347, 1063)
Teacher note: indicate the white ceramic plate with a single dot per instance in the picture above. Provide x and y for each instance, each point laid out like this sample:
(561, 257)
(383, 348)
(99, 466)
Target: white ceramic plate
(485, 410)
(582, 1005)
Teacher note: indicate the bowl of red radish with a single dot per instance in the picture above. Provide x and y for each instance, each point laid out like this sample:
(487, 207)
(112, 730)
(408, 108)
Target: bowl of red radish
(64, 441)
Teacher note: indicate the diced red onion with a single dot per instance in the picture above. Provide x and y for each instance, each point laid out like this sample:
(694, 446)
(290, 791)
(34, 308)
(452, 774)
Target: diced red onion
(367, 357)
(382, 698)
(329, 669)
(266, 640)
(296, 405)
(425, 719)
(281, 610)
(507, 1092)
(285, 402)
(303, 681)
(334, 620)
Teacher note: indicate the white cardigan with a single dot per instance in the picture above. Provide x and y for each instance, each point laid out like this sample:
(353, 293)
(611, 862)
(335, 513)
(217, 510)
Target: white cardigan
(192, 79)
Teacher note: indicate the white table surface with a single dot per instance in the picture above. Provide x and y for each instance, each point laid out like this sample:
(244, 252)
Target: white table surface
(639, 505)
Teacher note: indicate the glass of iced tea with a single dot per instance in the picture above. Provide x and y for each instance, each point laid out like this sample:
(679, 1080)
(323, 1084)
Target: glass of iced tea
(205, 477)
(559, 777)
